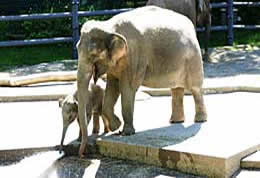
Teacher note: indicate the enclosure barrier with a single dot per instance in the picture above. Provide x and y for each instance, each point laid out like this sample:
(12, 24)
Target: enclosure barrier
(75, 14)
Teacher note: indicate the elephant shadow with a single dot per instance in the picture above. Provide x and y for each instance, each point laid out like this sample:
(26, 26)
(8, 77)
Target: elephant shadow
(159, 137)
(96, 165)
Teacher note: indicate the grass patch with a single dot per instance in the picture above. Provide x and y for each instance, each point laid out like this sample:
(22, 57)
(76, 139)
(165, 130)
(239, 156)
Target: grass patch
(250, 37)
(30, 55)
(247, 37)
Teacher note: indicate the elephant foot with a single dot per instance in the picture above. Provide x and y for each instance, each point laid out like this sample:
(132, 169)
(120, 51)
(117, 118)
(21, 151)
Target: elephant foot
(95, 131)
(128, 130)
(82, 149)
(200, 117)
(176, 120)
(106, 130)
(81, 154)
(114, 124)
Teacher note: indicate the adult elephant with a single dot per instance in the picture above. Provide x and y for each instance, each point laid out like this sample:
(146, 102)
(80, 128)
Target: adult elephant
(198, 11)
(135, 48)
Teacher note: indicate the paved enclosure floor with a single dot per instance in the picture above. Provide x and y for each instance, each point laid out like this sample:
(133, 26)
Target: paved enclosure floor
(232, 130)
(232, 126)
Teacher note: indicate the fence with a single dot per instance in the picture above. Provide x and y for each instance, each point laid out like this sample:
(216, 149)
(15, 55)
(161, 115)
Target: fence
(75, 14)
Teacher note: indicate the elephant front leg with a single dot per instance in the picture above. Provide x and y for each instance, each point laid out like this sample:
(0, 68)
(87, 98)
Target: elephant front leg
(201, 114)
(110, 98)
(127, 101)
(177, 106)
(80, 135)
(106, 124)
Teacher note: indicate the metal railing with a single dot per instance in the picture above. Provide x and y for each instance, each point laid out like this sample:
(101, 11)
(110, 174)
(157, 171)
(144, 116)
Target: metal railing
(75, 14)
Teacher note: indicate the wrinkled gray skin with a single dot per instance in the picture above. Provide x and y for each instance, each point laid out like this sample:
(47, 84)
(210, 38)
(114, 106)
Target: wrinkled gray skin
(198, 11)
(69, 107)
(135, 48)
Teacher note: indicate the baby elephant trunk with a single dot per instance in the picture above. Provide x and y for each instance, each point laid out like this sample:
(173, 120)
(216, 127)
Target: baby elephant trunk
(64, 130)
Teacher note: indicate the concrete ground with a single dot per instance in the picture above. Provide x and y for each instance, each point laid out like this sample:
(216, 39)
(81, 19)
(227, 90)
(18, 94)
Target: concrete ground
(230, 133)
(214, 148)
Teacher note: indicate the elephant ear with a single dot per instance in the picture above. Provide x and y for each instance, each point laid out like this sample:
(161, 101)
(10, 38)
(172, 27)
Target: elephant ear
(117, 48)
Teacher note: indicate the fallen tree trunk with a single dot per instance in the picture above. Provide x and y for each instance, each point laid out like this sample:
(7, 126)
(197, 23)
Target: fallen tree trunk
(27, 98)
(38, 78)
(155, 93)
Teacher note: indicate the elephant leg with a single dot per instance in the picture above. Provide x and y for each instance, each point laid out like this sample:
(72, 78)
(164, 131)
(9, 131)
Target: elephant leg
(106, 124)
(201, 114)
(95, 123)
(80, 135)
(110, 98)
(177, 105)
(127, 102)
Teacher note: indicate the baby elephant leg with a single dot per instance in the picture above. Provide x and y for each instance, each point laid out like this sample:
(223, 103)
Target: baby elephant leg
(201, 113)
(177, 105)
(106, 124)
(95, 123)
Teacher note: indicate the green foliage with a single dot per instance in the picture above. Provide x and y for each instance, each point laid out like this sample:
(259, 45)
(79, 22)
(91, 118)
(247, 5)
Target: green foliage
(245, 37)
(30, 55)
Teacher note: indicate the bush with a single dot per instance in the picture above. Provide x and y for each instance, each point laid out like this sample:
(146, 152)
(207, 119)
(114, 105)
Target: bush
(62, 27)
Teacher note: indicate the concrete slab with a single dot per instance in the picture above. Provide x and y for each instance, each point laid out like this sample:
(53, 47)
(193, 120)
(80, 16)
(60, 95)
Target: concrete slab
(212, 149)
(252, 161)
(248, 174)
(39, 92)
(32, 125)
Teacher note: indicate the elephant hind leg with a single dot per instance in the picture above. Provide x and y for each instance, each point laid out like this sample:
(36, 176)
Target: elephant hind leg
(177, 105)
(201, 114)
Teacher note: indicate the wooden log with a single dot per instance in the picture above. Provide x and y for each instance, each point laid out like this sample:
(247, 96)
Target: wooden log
(155, 93)
(38, 78)
(27, 98)
(206, 91)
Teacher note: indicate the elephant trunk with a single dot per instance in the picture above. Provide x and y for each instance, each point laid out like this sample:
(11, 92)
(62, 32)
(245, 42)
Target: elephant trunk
(64, 130)
(84, 75)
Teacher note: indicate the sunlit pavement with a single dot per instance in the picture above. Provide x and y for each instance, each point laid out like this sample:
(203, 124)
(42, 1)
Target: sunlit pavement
(232, 129)
(233, 126)
(230, 133)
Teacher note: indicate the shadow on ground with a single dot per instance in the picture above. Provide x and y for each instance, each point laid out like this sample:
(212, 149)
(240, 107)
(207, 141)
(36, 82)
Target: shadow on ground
(52, 164)
(48, 162)
(159, 137)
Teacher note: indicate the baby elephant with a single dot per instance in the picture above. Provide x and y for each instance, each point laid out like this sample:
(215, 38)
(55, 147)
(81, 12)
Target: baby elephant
(69, 107)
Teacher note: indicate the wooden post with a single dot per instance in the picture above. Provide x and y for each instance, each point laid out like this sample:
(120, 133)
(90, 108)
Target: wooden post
(75, 28)
(230, 21)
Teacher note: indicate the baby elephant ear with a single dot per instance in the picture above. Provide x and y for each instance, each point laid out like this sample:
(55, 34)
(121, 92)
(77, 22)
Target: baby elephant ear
(117, 48)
